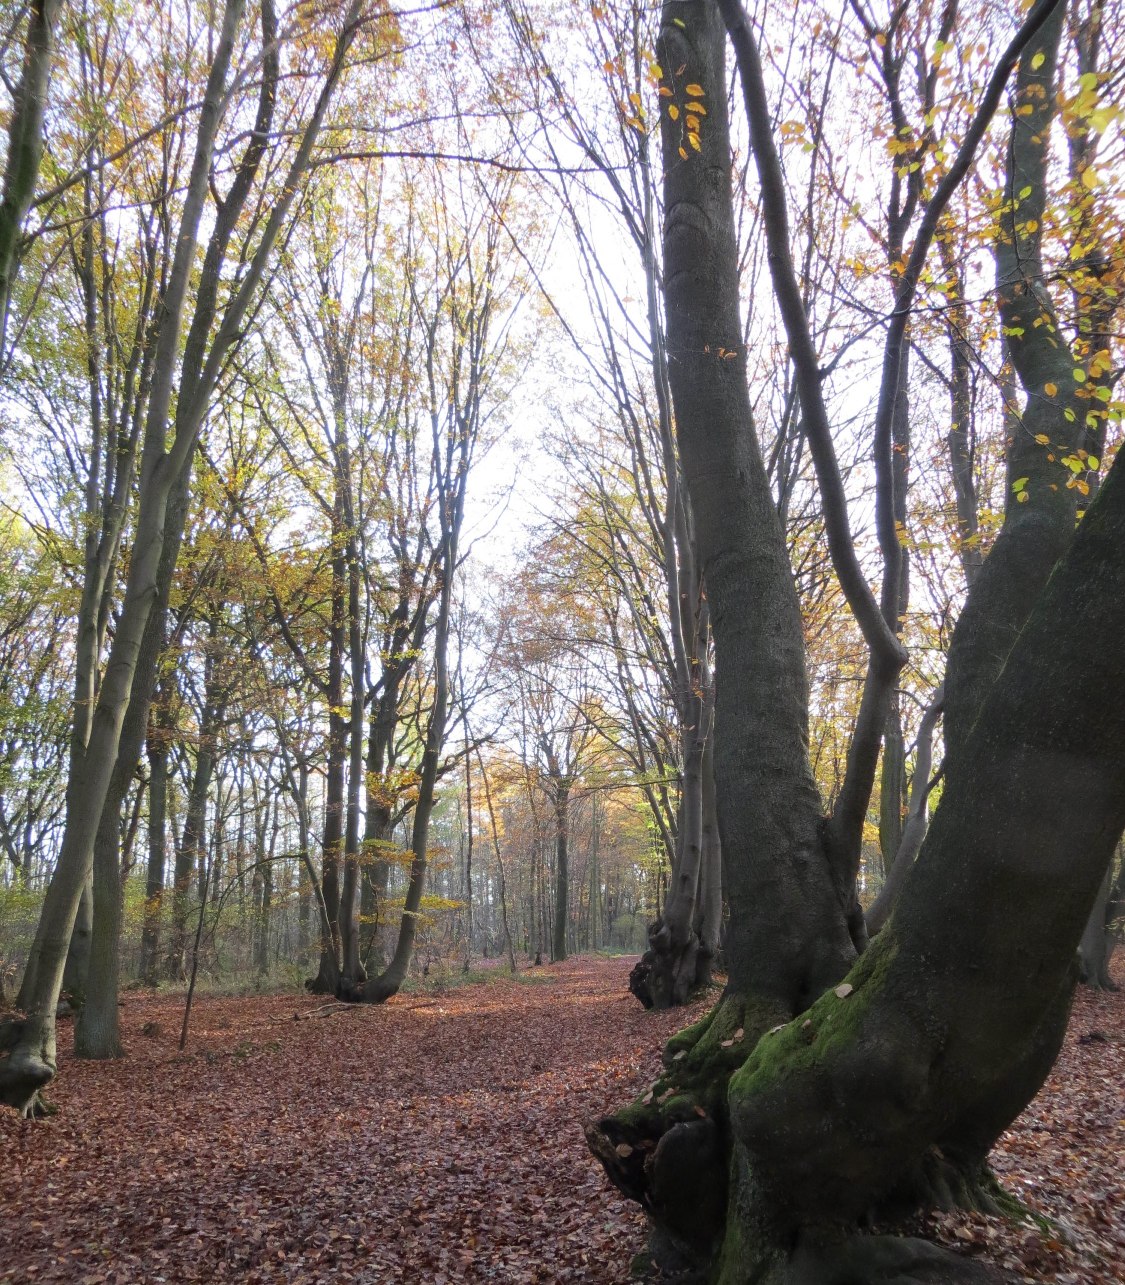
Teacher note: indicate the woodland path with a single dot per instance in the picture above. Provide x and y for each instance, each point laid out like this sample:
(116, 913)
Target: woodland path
(437, 1139)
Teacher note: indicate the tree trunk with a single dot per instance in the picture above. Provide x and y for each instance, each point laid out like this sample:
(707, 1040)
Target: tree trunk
(25, 143)
(1040, 515)
(889, 1082)
(76, 971)
(562, 869)
(96, 1033)
(1096, 946)
(957, 1012)
(157, 855)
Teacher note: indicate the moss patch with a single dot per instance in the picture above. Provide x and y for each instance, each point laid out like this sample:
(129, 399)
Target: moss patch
(831, 1023)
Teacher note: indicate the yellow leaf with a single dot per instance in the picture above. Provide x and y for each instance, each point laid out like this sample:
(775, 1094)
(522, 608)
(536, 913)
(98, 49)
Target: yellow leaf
(1042, 439)
(683, 154)
(1038, 61)
(1089, 178)
(693, 90)
(693, 139)
(1050, 389)
(673, 111)
(693, 124)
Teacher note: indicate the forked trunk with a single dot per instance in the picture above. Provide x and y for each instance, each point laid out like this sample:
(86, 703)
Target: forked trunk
(822, 1098)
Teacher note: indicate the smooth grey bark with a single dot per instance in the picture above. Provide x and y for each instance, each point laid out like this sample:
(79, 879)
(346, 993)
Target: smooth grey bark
(1038, 529)
(789, 936)
(192, 848)
(560, 807)
(157, 848)
(96, 1026)
(768, 805)
(1099, 938)
(298, 782)
(914, 831)
(332, 841)
(961, 439)
(78, 952)
(25, 144)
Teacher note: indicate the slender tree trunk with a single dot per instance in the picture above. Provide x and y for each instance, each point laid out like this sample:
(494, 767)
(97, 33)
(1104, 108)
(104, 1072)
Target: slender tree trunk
(25, 143)
(378, 989)
(562, 869)
(1039, 525)
(1096, 946)
(96, 1032)
(76, 971)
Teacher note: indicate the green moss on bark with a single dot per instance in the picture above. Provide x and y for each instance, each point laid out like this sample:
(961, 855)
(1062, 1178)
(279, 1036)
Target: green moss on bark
(830, 1024)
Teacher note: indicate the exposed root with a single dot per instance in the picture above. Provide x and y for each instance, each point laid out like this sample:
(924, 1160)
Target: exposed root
(22, 1075)
(881, 1260)
(668, 1149)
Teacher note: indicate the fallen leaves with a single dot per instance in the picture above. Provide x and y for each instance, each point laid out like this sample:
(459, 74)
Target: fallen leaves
(438, 1140)
(1063, 1159)
(434, 1139)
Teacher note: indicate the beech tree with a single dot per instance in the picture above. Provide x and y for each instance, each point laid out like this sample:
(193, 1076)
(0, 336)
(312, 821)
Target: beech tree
(833, 1080)
(633, 486)
(187, 362)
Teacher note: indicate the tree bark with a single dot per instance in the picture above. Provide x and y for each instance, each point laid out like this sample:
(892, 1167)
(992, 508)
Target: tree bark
(562, 869)
(1037, 529)
(1096, 947)
(807, 1146)
(25, 144)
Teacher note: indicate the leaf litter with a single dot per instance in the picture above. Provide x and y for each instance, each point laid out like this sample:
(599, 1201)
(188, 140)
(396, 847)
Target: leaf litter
(438, 1139)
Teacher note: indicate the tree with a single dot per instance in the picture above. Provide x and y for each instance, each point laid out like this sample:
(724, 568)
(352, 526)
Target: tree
(164, 476)
(828, 1087)
(25, 143)
(633, 524)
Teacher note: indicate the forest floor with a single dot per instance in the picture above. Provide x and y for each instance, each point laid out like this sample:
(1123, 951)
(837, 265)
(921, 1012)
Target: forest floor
(438, 1139)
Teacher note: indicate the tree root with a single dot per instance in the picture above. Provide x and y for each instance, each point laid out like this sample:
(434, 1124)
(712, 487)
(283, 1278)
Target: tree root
(880, 1260)
(668, 1149)
(670, 974)
(22, 1075)
(947, 1184)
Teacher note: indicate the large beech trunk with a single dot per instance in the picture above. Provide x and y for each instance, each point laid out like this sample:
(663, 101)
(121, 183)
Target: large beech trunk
(956, 1013)
(812, 1096)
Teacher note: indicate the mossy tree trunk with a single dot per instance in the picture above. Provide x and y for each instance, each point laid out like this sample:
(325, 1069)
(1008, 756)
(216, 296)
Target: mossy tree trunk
(812, 1096)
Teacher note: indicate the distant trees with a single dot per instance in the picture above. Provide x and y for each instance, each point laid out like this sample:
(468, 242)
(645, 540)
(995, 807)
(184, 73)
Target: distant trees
(274, 316)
